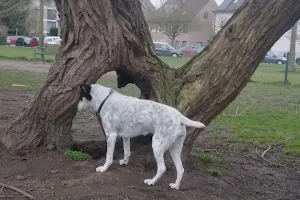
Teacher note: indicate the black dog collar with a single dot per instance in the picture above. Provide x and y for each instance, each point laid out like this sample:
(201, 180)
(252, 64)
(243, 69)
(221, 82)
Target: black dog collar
(102, 104)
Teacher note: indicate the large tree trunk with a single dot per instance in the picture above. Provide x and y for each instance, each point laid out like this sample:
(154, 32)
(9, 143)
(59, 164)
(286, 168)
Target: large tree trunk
(173, 42)
(104, 35)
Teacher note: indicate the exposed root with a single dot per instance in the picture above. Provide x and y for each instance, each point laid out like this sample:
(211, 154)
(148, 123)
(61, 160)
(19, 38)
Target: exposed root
(294, 165)
(263, 154)
(4, 196)
(16, 190)
(52, 195)
(125, 198)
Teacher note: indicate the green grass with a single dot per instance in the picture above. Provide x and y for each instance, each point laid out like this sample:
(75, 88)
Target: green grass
(31, 80)
(175, 62)
(274, 74)
(21, 53)
(77, 155)
(202, 157)
(214, 172)
(263, 114)
(220, 161)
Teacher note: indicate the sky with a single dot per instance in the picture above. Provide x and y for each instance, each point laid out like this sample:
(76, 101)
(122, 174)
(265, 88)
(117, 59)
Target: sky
(157, 2)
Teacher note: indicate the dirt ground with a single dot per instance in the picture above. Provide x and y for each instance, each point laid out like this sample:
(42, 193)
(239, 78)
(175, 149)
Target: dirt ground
(50, 176)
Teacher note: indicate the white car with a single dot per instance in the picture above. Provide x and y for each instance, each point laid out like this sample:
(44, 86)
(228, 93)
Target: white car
(8, 41)
(52, 41)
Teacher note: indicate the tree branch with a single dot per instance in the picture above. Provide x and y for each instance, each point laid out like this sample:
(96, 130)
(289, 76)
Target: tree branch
(16, 190)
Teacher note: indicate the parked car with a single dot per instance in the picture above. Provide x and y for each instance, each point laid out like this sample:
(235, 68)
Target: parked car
(13, 39)
(272, 58)
(23, 41)
(298, 61)
(163, 49)
(8, 41)
(190, 50)
(52, 41)
(34, 42)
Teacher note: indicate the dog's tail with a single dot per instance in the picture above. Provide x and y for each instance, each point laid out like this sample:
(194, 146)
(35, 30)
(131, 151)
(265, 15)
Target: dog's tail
(192, 123)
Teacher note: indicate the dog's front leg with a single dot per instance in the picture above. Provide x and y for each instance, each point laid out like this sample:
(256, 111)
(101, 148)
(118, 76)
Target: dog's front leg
(111, 141)
(126, 146)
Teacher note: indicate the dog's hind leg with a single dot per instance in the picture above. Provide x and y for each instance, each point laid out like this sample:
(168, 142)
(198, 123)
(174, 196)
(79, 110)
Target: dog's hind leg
(126, 146)
(175, 151)
(159, 149)
(111, 141)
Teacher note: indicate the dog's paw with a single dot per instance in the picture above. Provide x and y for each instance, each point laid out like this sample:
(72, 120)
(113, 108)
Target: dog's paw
(123, 162)
(174, 186)
(149, 182)
(101, 169)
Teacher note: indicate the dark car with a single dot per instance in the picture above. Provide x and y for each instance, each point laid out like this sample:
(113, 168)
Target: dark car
(272, 58)
(190, 50)
(163, 49)
(22, 41)
(8, 41)
(298, 61)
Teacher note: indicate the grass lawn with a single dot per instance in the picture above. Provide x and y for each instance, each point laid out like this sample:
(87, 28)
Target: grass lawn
(21, 53)
(262, 114)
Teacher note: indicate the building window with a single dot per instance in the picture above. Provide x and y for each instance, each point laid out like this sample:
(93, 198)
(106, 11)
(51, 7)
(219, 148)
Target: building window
(50, 25)
(205, 15)
(235, 1)
(184, 43)
(49, 3)
(198, 44)
(51, 14)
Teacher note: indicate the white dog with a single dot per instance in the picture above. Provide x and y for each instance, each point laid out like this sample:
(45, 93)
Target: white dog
(128, 117)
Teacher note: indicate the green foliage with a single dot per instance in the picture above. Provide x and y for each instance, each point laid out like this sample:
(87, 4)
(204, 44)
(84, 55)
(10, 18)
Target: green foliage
(204, 158)
(13, 13)
(214, 172)
(77, 155)
(221, 161)
(53, 31)
(2, 40)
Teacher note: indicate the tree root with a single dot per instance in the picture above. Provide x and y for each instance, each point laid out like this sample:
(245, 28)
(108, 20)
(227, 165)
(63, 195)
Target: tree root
(16, 190)
(294, 165)
(52, 195)
(263, 157)
(3, 196)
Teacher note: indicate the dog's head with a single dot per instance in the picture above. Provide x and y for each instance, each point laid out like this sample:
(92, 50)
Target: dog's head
(85, 97)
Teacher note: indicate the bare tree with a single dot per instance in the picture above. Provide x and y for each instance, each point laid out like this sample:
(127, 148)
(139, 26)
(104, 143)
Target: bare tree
(172, 19)
(99, 36)
(292, 57)
(288, 33)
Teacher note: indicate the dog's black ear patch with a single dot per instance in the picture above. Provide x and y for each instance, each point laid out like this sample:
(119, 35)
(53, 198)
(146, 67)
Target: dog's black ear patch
(85, 90)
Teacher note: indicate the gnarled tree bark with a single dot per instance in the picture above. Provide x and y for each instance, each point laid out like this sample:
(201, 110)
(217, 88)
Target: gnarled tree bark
(99, 36)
